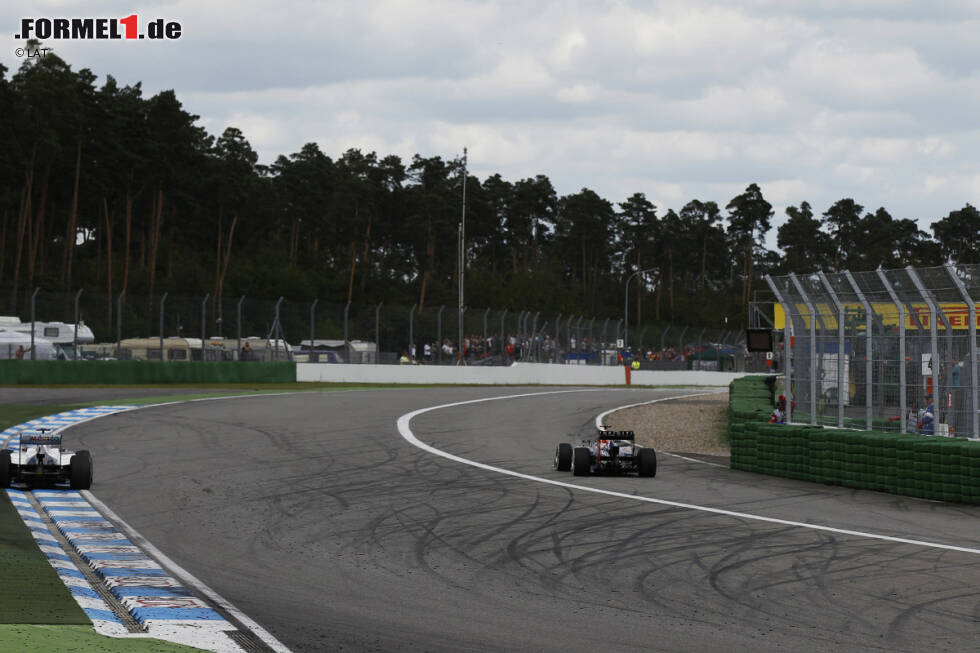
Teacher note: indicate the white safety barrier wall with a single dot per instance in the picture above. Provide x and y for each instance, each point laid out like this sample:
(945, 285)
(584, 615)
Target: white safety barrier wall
(516, 374)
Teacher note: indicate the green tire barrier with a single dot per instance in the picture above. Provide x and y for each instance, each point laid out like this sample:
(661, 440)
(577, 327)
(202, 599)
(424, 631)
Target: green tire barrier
(945, 469)
(25, 372)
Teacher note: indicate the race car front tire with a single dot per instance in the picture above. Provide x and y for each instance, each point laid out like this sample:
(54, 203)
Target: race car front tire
(4, 468)
(647, 463)
(563, 457)
(81, 471)
(581, 461)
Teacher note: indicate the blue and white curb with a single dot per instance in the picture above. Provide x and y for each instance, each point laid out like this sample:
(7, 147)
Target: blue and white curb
(103, 618)
(158, 602)
(10, 437)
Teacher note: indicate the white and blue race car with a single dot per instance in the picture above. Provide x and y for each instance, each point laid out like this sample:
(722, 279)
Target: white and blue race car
(611, 452)
(37, 459)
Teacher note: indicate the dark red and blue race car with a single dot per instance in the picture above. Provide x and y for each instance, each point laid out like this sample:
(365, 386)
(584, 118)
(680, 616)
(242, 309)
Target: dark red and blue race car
(611, 452)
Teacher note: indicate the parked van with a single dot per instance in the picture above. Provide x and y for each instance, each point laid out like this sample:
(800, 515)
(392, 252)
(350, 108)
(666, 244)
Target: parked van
(261, 349)
(59, 333)
(12, 341)
(148, 349)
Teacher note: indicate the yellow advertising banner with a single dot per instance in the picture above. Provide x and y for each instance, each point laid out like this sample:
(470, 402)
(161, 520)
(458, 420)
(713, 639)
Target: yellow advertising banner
(958, 315)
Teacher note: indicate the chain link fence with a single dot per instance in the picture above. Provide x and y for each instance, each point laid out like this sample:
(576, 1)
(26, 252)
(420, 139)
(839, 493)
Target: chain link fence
(888, 350)
(123, 326)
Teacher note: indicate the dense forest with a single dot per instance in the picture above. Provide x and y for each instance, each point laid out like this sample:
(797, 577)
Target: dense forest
(103, 188)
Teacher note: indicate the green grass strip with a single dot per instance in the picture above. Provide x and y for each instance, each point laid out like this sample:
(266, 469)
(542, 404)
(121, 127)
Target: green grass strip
(21, 637)
(32, 591)
(14, 414)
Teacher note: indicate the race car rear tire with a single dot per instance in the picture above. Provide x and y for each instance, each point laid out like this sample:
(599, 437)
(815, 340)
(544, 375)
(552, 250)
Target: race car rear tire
(582, 461)
(647, 464)
(81, 471)
(4, 469)
(563, 457)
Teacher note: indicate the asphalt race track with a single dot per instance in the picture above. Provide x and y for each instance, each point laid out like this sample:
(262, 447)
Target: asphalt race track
(314, 516)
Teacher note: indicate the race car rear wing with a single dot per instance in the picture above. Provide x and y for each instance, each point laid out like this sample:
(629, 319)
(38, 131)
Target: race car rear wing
(616, 435)
(46, 439)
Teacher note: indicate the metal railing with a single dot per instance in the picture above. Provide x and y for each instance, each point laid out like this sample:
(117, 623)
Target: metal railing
(882, 349)
(243, 328)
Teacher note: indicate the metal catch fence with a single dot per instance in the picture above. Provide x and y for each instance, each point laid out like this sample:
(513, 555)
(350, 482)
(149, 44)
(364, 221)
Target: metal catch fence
(886, 349)
(243, 328)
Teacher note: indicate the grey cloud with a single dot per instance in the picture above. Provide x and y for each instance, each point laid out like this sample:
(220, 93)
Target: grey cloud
(873, 99)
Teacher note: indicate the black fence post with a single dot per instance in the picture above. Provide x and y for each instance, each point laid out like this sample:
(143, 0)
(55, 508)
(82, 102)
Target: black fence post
(313, 358)
(204, 312)
(74, 341)
(163, 301)
(239, 327)
(33, 298)
(119, 299)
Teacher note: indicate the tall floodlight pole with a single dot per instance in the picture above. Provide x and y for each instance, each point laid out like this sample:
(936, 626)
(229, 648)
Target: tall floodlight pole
(462, 258)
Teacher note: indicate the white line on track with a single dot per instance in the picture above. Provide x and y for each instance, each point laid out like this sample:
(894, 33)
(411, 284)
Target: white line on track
(405, 430)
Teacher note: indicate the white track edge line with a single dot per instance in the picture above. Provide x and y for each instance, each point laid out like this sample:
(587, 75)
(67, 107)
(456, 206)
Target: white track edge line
(406, 432)
(600, 416)
(184, 575)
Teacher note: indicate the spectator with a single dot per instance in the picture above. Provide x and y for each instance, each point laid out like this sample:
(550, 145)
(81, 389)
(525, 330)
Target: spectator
(927, 417)
(779, 412)
(20, 353)
(246, 351)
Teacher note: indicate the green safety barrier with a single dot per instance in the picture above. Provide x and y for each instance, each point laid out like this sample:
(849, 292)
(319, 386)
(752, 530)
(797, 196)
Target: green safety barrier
(26, 372)
(945, 469)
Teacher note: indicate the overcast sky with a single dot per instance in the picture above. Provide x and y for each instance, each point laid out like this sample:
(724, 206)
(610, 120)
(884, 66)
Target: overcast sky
(872, 99)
